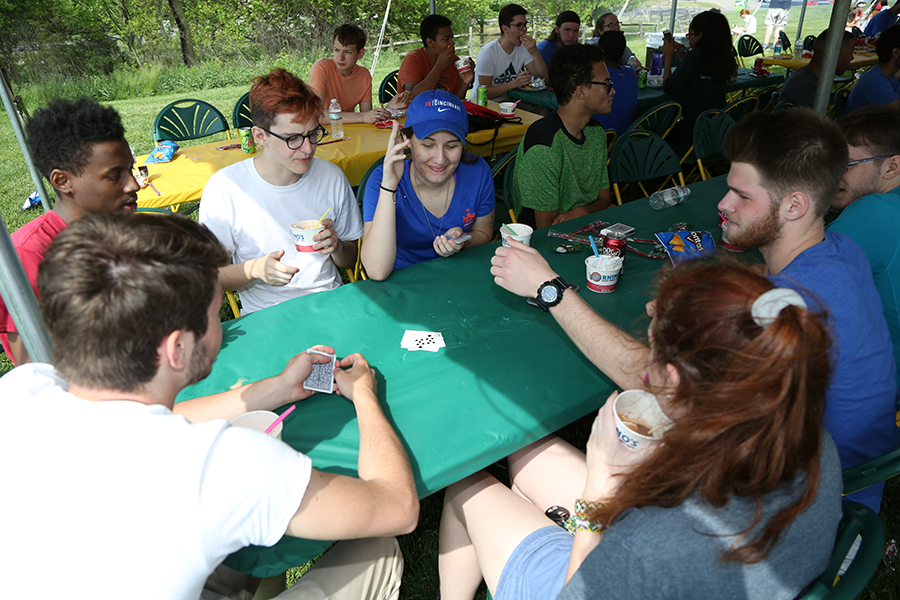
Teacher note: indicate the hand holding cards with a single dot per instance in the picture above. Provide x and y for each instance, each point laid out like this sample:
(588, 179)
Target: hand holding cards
(321, 379)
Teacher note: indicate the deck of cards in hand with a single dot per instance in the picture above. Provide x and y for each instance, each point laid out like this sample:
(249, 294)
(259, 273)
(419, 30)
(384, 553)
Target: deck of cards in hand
(321, 379)
(431, 341)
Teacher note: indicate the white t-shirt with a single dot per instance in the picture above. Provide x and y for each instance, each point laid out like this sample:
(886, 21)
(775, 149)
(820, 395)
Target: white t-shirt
(118, 499)
(252, 218)
(502, 67)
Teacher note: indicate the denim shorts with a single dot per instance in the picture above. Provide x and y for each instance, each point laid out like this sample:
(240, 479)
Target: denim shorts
(536, 570)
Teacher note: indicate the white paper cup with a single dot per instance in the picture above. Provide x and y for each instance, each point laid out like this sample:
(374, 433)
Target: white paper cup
(259, 420)
(304, 232)
(637, 409)
(464, 65)
(508, 109)
(523, 233)
(603, 273)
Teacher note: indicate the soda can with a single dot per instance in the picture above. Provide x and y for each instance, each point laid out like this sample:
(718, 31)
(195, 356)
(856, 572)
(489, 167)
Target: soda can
(642, 79)
(248, 146)
(614, 245)
(482, 95)
(758, 64)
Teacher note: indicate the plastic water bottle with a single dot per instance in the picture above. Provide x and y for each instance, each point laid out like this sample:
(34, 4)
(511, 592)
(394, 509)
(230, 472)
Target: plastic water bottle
(668, 197)
(798, 50)
(632, 62)
(778, 48)
(337, 121)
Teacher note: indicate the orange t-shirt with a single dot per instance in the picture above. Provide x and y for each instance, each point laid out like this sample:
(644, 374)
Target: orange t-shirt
(350, 91)
(416, 66)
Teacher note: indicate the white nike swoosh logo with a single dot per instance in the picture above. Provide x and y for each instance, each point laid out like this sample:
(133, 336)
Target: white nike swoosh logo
(440, 110)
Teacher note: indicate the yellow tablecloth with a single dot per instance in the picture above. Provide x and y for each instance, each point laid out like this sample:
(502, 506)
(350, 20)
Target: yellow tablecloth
(860, 59)
(182, 179)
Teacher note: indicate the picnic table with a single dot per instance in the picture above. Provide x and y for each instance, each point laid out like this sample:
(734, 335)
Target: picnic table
(183, 178)
(508, 376)
(860, 60)
(649, 97)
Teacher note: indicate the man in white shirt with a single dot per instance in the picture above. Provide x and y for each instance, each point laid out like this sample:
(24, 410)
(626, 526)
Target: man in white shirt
(251, 205)
(139, 502)
(499, 64)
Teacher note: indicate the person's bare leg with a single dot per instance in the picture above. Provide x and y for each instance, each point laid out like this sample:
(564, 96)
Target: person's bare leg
(549, 471)
(482, 524)
(768, 37)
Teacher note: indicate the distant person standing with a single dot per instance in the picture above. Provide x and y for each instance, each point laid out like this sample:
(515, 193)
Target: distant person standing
(886, 18)
(776, 19)
(568, 24)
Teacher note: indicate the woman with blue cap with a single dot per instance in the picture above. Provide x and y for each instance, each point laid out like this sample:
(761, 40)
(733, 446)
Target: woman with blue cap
(416, 210)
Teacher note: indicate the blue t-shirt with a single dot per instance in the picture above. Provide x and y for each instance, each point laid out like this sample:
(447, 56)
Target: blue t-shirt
(547, 49)
(416, 227)
(872, 88)
(880, 22)
(861, 401)
(624, 101)
(873, 222)
(780, 4)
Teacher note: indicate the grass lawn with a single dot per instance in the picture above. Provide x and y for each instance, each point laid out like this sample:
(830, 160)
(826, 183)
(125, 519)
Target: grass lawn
(420, 547)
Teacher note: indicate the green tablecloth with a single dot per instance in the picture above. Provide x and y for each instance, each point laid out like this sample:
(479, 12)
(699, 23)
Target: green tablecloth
(508, 376)
(648, 97)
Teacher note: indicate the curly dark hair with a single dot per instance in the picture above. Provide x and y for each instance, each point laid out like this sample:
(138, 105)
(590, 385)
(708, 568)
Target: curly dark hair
(572, 66)
(60, 136)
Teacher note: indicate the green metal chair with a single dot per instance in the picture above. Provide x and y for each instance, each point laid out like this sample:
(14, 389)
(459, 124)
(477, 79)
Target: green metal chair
(710, 130)
(659, 119)
(503, 192)
(638, 156)
(765, 97)
(748, 46)
(857, 520)
(808, 43)
(780, 106)
(837, 103)
(358, 273)
(785, 41)
(240, 116)
(189, 120)
(739, 108)
(878, 469)
(388, 88)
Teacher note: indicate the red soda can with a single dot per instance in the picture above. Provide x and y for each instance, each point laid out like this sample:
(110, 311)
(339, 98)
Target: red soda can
(614, 245)
(758, 64)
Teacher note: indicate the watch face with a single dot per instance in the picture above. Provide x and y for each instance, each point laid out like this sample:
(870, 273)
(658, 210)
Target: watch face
(549, 293)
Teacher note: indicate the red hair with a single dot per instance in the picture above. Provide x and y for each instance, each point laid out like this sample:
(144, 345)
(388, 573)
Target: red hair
(282, 92)
(751, 401)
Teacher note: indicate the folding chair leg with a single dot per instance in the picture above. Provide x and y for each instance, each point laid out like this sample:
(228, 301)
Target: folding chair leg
(618, 195)
(233, 303)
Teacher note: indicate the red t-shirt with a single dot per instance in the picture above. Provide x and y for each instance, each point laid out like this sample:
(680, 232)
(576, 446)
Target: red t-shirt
(31, 241)
(416, 66)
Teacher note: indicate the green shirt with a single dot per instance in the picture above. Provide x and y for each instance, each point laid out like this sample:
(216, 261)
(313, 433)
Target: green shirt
(555, 171)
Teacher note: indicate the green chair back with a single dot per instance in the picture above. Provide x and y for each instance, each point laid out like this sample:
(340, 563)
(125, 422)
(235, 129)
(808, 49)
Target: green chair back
(839, 100)
(765, 97)
(749, 46)
(361, 190)
(710, 130)
(240, 116)
(780, 106)
(388, 88)
(857, 520)
(808, 42)
(741, 107)
(785, 41)
(659, 120)
(188, 120)
(639, 155)
(502, 174)
(871, 472)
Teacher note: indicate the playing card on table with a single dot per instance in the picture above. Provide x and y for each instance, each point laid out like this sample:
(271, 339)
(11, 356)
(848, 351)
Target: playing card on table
(322, 377)
(431, 341)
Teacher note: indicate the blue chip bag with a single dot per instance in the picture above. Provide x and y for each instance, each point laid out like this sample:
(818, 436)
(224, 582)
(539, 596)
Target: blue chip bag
(687, 245)
(163, 152)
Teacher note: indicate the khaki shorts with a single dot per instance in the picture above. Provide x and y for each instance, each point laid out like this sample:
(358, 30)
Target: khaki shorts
(777, 17)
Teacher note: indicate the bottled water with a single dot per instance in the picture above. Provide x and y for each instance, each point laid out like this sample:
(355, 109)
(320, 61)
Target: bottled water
(668, 197)
(632, 62)
(337, 122)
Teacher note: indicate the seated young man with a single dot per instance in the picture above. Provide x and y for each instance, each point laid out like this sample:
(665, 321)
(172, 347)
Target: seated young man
(620, 118)
(501, 62)
(155, 500)
(251, 205)
(560, 170)
(879, 85)
(342, 79)
(80, 148)
(800, 88)
(433, 67)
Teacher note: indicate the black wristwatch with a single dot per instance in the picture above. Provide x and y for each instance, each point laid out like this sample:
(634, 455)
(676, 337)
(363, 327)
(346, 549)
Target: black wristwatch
(550, 293)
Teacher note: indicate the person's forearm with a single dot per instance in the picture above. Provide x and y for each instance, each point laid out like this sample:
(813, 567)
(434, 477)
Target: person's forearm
(499, 90)
(264, 394)
(234, 277)
(584, 544)
(462, 89)
(20, 354)
(345, 255)
(538, 66)
(667, 66)
(379, 248)
(618, 355)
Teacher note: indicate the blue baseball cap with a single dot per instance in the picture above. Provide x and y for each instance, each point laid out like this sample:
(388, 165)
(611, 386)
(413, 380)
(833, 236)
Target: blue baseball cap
(437, 110)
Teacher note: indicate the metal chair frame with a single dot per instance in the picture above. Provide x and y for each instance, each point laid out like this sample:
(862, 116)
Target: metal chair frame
(639, 155)
(241, 116)
(657, 120)
(189, 119)
(388, 88)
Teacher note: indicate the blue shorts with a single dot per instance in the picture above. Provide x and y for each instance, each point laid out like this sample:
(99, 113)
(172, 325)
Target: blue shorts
(536, 570)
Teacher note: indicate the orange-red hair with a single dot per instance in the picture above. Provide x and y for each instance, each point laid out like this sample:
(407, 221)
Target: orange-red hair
(282, 92)
(750, 401)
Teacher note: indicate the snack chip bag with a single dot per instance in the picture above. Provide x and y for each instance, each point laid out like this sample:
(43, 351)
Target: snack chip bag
(163, 152)
(687, 245)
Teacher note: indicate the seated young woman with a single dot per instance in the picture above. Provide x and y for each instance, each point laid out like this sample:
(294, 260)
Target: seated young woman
(740, 499)
(418, 209)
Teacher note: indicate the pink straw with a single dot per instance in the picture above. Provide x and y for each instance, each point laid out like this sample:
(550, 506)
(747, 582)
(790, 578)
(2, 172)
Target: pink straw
(281, 418)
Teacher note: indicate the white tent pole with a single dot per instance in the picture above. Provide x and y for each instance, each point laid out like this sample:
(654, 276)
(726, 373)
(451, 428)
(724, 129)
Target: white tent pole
(387, 11)
(829, 63)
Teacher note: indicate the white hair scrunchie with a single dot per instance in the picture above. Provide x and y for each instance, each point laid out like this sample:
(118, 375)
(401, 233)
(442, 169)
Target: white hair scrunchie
(768, 306)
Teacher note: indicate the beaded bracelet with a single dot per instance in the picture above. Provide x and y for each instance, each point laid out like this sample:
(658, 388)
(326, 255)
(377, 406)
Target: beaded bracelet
(387, 189)
(582, 517)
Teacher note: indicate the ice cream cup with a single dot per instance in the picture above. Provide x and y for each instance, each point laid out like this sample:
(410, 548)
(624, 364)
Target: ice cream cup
(603, 272)
(639, 419)
(508, 109)
(259, 420)
(304, 232)
(523, 233)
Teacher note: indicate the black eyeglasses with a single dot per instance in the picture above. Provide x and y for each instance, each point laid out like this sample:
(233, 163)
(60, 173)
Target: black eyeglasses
(862, 160)
(608, 84)
(521, 25)
(295, 142)
(614, 25)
